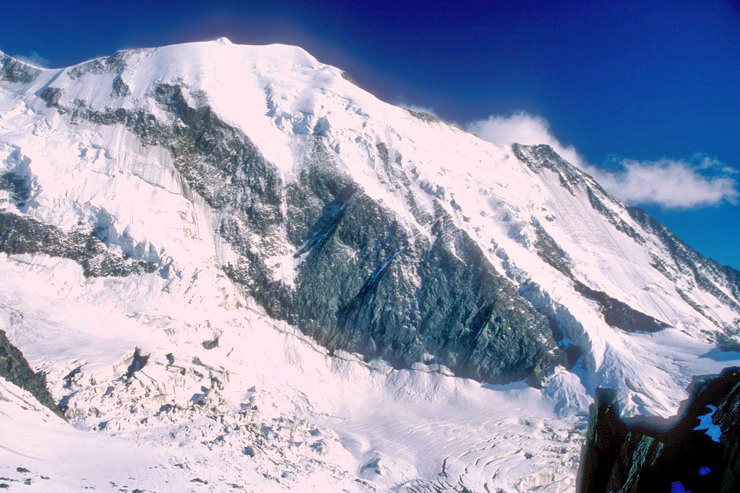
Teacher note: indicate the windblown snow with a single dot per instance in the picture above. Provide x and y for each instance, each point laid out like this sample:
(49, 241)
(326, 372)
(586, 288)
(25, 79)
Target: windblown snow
(174, 379)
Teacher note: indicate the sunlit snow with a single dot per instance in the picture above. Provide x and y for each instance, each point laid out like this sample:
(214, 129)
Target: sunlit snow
(267, 409)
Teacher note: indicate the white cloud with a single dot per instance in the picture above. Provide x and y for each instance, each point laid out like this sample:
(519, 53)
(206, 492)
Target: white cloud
(678, 184)
(522, 128)
(34, 59)
(669, 183)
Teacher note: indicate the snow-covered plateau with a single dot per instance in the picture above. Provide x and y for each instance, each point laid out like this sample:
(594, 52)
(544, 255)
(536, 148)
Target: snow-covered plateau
(238, 271)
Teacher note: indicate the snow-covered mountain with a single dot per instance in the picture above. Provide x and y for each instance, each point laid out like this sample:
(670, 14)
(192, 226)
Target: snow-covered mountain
(234, 267)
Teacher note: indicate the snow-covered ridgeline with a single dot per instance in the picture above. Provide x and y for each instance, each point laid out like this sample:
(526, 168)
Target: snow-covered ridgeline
(82, 176)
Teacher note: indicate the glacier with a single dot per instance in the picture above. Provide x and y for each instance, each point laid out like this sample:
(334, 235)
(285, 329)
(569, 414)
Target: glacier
(236, 269)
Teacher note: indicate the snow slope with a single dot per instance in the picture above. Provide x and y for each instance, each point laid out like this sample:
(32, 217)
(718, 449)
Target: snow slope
(279, 410)
(229, 395)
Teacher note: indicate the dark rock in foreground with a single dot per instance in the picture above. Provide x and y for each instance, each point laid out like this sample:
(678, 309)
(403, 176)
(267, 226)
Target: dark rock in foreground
(15, 369)
(696, 451)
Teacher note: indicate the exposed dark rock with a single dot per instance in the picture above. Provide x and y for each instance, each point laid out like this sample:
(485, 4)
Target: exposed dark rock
(616, 313)
(21, 234)
(114, 64)
(619, 314)
(69, 378)
(120, 88)
(539, 157)
(138, 361)
(369, 285)
(209, 344)
(605, 435)
(598, 205)
(365, 283)
(549, 251)
(19, 187)
(697, 451)
(15, 71)
(15, 369)
(18, 179)
(423, 115)
(51, 96)
(708, 274)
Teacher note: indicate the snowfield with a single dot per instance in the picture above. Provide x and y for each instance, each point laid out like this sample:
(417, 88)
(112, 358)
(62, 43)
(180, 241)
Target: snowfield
(274, 406)
(176, 380)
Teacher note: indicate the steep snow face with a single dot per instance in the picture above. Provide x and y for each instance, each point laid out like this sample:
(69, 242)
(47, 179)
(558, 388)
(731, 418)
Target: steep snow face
(214, 204)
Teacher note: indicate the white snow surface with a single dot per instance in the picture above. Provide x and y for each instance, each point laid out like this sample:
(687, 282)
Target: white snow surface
(268, 409)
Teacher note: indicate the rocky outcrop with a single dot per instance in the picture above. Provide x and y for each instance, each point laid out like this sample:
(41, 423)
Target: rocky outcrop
(390, 292)
(21, 234)
(15, 71)
(365, 282)
(15, 369)
(696, 451)
(616, 313)
(620, 315)
(407, 281)
(704, 272)
(720, 281)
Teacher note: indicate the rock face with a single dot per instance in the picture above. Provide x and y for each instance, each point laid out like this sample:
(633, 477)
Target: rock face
(370, 228)
(697, 451)
(687, 259)
(15, 369)
(235, 251)
(15, 71)
(19, 234)
(365, 283)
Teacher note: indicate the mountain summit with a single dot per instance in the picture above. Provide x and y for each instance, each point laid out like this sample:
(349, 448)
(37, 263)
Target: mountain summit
(240, 234)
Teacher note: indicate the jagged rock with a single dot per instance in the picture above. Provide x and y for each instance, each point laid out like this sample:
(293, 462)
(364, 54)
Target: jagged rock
(367, 284)
(687, 259)
(423, 115)
(620, 315)
(21, 234)
(367, 279)
(138, 361)
(15, 369)
(697, 451)
(604, 437)
(15, 71)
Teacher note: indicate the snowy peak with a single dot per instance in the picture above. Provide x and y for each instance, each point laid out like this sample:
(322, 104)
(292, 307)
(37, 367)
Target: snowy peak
(245, 217)
(261, 134)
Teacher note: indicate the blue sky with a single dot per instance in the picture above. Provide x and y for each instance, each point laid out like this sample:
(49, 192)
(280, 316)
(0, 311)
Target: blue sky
(645, 94)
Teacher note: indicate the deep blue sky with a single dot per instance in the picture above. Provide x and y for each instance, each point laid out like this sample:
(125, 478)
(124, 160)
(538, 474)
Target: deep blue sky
(637, 79)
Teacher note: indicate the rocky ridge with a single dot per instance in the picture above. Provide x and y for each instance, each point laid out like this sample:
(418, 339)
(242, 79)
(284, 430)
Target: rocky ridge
(157, 204)
(698, 450)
